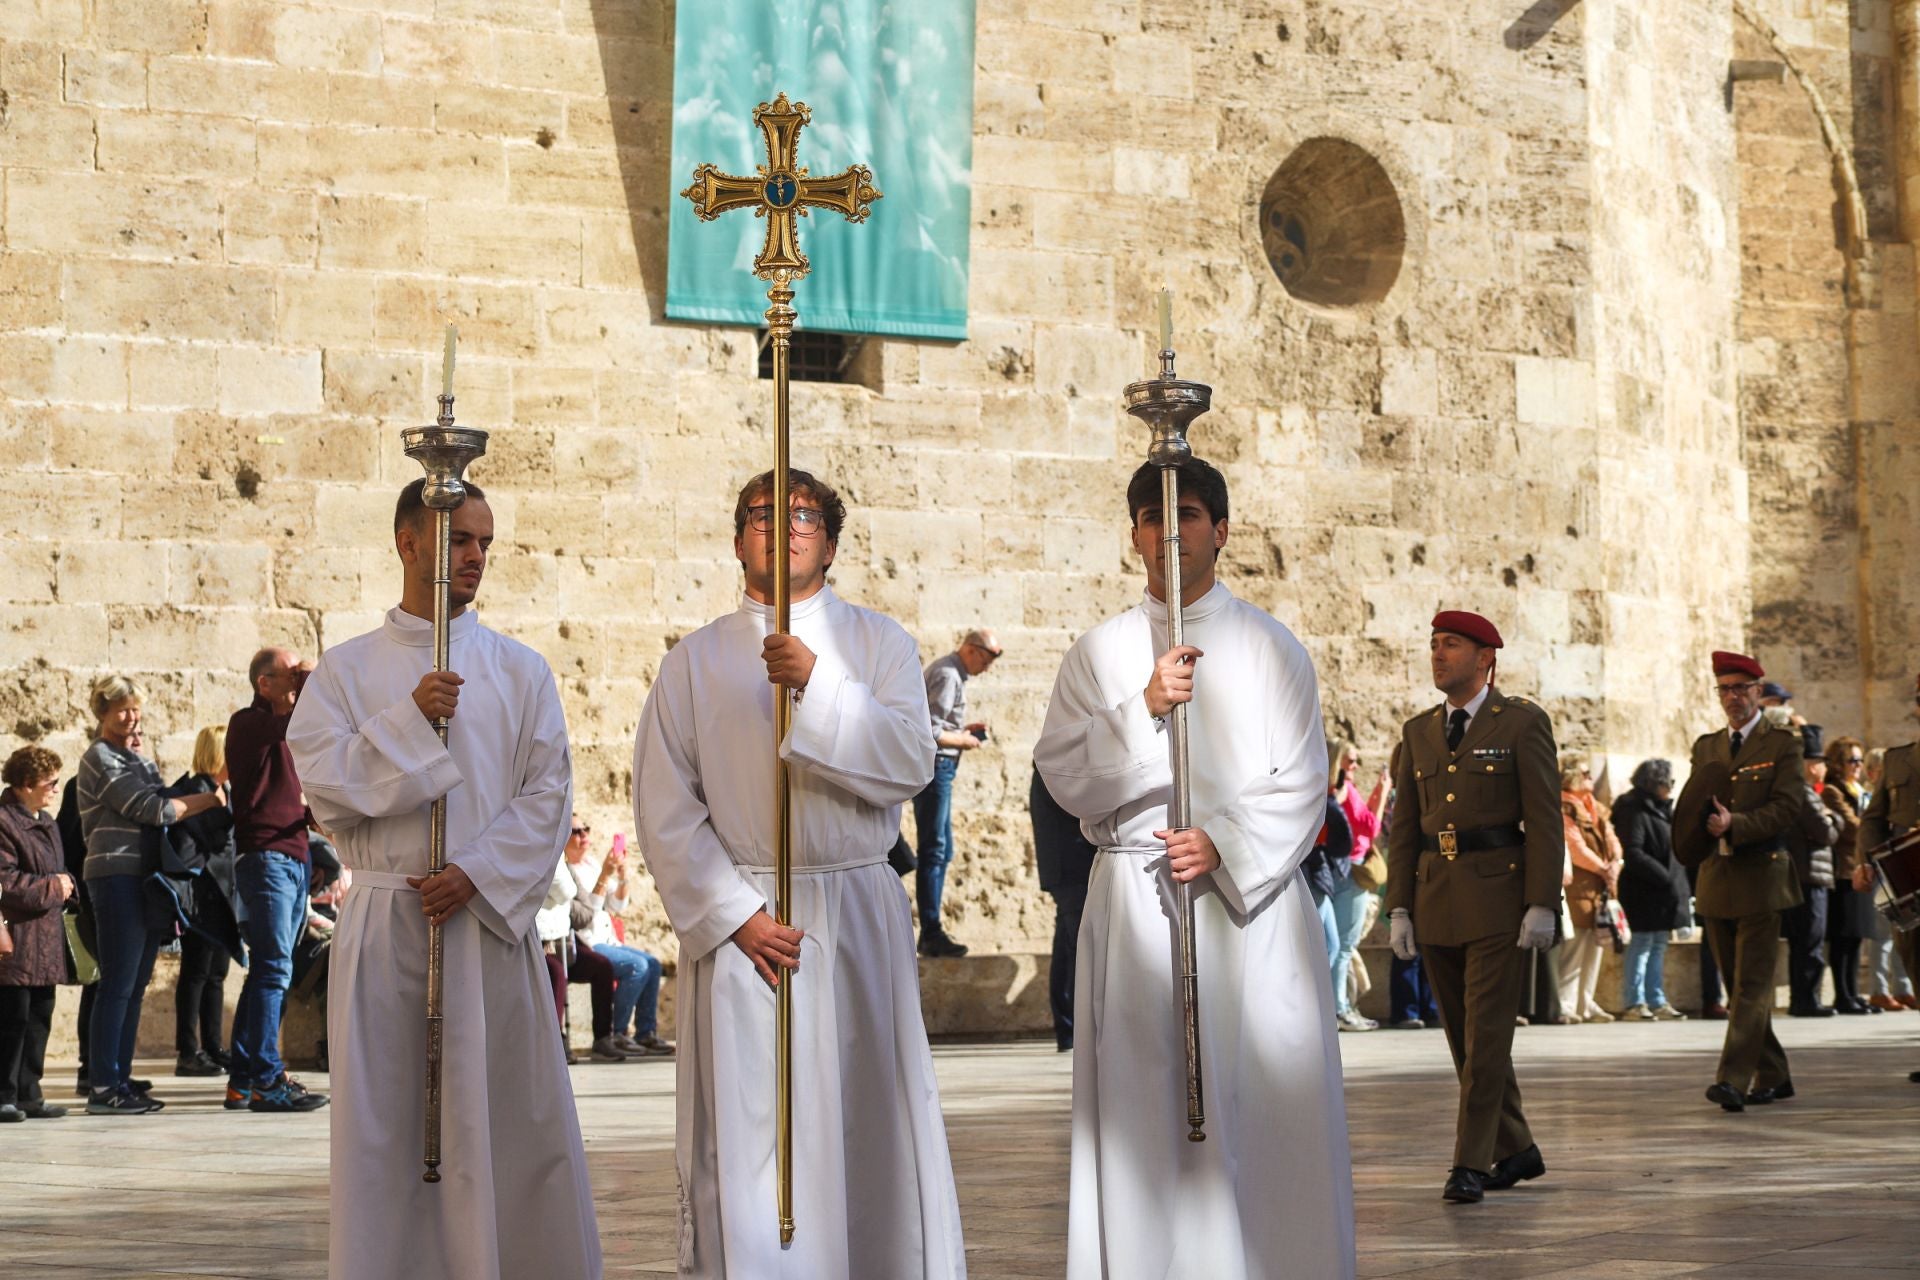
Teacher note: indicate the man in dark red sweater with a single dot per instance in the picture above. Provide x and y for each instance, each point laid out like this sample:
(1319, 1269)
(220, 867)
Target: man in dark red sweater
(270, 821)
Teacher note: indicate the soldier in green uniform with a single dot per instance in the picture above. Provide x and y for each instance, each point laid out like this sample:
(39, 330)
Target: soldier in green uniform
(1893, 811)
(1474, 862)
(1749, 878)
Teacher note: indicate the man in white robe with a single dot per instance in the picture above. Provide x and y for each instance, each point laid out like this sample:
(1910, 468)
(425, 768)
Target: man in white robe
(513, 1203)
(1269, 1194)
(874, 1197)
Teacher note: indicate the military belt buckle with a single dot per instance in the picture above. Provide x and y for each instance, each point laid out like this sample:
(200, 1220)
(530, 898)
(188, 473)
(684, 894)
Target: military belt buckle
(1450, 843)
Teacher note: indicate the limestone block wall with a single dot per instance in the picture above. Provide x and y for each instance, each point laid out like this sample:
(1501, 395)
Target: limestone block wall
(1667, 464)
(233, 230)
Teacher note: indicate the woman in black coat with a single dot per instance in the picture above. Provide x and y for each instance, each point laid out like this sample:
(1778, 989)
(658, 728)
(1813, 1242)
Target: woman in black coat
(1653, 889)
(212, 936)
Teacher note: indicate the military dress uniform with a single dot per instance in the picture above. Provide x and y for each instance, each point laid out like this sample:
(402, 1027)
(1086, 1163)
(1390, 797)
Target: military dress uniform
(1743, 889)
(1894, 810)
(1476, 840)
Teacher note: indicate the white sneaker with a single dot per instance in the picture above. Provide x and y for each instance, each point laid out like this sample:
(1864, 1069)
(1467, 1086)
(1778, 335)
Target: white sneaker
(1598, 1015)
(1667, 1013)
(1639, 1013)
(1353, 1021)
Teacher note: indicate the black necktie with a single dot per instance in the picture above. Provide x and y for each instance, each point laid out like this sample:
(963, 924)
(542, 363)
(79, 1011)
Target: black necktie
(1456, 728)
(1738, 738)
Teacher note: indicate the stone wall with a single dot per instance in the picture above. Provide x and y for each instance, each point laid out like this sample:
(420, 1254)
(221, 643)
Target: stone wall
(1828, 380)
(233, 230)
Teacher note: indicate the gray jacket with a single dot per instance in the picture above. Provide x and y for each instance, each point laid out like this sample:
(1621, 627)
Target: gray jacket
(120, 796)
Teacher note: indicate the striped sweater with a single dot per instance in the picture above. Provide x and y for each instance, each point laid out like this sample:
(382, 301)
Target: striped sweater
(119, 795)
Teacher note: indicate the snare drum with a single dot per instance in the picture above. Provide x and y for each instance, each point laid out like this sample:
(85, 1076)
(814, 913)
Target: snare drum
(1897, 886)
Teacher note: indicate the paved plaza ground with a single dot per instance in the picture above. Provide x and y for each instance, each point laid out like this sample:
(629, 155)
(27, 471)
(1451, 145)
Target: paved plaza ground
(1646, 1178)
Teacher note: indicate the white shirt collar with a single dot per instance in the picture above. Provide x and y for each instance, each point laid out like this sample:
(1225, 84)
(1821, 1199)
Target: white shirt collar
(1474, 703)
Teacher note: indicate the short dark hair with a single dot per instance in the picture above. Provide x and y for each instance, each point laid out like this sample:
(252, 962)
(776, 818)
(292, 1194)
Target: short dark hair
(258, 667)
(1197, 476)
(1651, 775)
(413, 506)
(802, 483)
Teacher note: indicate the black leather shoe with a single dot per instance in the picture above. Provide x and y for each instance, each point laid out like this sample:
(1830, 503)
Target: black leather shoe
(1727, 1096)
(1913, 1077)
(936, 943)
(1778, 1093)
(1815, 1011)
(1522, 1166)
(1411, 1024)
(1714, 1013)
(1464, 1186)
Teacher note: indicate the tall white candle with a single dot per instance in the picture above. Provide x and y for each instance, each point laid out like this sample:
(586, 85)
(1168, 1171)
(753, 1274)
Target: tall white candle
(1166, 319)
(446, 364)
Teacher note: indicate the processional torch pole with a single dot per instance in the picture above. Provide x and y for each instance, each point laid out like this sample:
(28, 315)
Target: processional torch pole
(781, 192)
(445, 451)
(1167, 404)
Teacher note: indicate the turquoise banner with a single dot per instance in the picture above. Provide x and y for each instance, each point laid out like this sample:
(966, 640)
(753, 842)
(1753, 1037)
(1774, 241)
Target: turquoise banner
(890, 86)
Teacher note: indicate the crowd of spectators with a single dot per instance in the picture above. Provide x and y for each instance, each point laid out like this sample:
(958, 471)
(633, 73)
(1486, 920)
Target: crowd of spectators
(224, 866)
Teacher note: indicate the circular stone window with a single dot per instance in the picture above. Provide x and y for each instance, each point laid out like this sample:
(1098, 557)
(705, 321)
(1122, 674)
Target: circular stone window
(1331, 224)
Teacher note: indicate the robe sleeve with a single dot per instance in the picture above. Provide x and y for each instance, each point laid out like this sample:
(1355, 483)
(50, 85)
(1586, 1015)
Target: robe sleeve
(393, 764)
(873, 741)
(705, 895)
(1265, 834)
(512, 862)
(1098, 756)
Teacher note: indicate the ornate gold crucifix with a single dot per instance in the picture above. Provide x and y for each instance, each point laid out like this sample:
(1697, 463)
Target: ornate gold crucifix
(782, 192)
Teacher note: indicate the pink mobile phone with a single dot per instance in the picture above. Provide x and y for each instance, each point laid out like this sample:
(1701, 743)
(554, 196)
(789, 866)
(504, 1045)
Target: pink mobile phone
(619, 842)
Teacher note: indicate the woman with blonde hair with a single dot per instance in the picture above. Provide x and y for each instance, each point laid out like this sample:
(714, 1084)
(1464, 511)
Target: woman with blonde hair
(199, 999)
(121, 804)
(1350, 900)
(1595, 857)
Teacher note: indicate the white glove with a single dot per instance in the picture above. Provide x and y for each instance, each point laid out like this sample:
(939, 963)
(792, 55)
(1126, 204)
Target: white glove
(1400, 933)
(1536, 928)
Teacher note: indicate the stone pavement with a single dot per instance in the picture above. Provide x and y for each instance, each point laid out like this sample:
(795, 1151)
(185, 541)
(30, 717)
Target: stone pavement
(1646, 1178)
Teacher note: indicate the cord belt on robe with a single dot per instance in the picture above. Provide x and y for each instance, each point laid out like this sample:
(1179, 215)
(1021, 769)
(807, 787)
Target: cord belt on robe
(392, 881)
(1135, 850)
(874, 861)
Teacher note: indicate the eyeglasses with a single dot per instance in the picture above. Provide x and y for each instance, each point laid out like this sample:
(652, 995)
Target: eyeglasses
(581, 831)
(805, 521)
(1724, 689)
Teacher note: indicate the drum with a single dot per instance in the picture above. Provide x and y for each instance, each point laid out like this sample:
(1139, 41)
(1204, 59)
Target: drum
(1897, 884)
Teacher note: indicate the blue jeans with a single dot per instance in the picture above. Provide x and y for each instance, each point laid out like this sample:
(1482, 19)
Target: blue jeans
(1329, 926)
(1349, 902)
(1646, 969)
(1412, 998)
(636, 977)
(273, 888)
(126, 950)
(933, 815)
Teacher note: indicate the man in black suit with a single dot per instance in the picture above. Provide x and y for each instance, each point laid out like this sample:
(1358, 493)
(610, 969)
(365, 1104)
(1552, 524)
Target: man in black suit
(1065, 859)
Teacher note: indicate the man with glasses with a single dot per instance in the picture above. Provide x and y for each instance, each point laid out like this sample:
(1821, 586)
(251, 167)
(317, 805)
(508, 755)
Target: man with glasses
(1893, 810)
(933, 808)
(270, 821)
(1748, 878)
(873, 1186)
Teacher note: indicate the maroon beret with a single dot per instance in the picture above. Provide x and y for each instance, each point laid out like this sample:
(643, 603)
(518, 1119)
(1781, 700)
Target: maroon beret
(1471, 625)
(1736, 664)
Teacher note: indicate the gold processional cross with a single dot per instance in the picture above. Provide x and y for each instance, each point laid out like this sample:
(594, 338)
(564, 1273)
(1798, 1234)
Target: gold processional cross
(782, 192)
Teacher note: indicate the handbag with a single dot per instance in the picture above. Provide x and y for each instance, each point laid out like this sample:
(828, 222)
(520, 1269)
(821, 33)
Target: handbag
(86, 970)
(1371, 871)
(1611, 918)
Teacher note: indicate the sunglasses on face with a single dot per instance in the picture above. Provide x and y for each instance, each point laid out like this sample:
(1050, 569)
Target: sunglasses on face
(581, 831)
